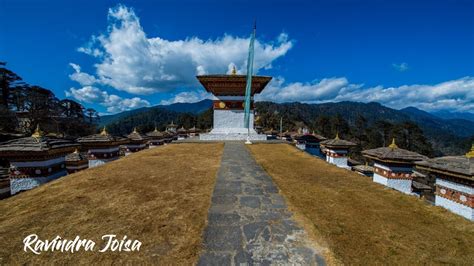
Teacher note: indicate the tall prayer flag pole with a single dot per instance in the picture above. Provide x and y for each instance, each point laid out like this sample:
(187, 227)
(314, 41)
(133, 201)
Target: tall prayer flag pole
(248, 88)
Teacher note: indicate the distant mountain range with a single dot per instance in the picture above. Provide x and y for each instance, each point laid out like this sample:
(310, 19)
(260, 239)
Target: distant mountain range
(375, 111)
(458, 124)
(454, 115)
(427, 121)
(446, 131)
(193, 108)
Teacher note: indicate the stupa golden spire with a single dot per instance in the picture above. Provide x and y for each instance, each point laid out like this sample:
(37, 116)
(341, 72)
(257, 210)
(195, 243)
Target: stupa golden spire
(38, 133)
(393, 145)
(104, 132)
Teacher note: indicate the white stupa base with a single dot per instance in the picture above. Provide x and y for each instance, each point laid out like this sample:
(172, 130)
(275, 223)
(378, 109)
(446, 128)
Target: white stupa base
(229, 125)
(402, 185)
(27, 183)
(233, 134)
(459, 209)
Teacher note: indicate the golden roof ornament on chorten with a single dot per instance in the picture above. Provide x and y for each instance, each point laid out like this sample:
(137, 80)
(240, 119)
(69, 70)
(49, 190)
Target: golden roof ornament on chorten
(104, 132)
(393, 154)
(234, 70)
(155, 134)
(101, 139)
(38, 133)
(337, 142)
(393, 145)
(37, 142)
(136, 136)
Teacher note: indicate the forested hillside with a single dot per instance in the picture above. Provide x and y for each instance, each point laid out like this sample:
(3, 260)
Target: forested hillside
(24, 106)
(373, 125)
(369, 124)
(192, 108)
(146, 121)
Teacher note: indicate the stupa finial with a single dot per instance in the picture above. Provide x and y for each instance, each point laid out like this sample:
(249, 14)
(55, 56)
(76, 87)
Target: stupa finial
(135, 130)
(470, 154)
(38, 133)
(393, 145)
(337, 135)
(234, 70)
(104, 131)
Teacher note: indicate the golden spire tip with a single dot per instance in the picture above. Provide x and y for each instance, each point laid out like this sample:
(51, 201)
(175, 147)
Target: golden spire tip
(393, 145)
(37, 133)
(104, 131)
(234, 70)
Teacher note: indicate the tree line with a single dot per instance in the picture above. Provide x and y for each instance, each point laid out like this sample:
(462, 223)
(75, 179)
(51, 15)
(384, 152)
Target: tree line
(367, 135)
(146, 121)
(23, 106)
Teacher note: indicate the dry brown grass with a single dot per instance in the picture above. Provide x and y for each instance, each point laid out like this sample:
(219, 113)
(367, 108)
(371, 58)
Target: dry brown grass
(159, 196)
(361, 221)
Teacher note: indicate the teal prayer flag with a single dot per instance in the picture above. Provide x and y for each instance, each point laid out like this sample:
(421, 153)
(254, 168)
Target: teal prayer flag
(248, 88)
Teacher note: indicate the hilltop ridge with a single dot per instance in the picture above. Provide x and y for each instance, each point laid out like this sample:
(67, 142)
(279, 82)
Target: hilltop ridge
(447, 136)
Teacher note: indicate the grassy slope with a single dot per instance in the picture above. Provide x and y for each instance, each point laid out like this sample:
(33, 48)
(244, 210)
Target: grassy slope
(361, 221)
(158, 196)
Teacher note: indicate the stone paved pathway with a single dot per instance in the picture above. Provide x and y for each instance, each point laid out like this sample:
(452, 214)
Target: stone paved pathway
(249, 222)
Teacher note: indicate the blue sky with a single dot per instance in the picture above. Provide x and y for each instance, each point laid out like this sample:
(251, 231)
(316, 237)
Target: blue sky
(116, 56)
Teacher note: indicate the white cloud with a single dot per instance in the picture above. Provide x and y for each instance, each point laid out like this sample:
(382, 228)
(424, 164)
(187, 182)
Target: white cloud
(114, 103)
(188, 97)
(402, 67)
(454, 95)
(89, 49)
(87, 94)
(130, 61)
(82, 78)
(317, 91)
